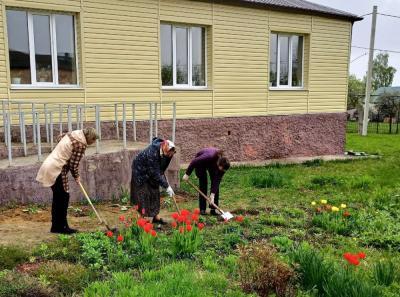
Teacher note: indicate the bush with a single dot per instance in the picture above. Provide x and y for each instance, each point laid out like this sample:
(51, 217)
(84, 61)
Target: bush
(11, 256)
(65, 248)
(13, 284)
(283, 243)
(384, 272)
(180, 279)
(271, 178)
(261, 272)
(64, 277)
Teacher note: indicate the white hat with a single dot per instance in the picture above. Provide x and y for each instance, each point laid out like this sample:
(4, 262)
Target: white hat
(171, 145)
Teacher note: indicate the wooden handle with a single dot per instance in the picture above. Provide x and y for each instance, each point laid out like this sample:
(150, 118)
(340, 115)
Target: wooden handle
(204, 196)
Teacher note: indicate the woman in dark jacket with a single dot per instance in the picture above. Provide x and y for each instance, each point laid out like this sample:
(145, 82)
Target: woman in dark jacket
(148, 170)
(213, 161)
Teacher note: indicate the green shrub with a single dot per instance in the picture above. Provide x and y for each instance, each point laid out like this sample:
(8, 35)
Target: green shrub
(384, 272)
(180, 279)
(283, 243)
(64, 277)
(14, 284)
(65, 248)
(321, 181)
(11, 256)
(271, 178)
(261, 272)
(274, 220)
(186, 243)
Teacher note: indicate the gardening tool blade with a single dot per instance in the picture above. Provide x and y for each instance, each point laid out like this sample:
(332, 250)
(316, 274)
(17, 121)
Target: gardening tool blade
(227, 216)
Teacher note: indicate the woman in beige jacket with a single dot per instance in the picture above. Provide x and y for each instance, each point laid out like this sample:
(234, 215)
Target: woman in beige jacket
(53, 173)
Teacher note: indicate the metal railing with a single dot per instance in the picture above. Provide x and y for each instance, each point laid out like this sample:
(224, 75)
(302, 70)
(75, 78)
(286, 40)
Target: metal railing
(16, 113)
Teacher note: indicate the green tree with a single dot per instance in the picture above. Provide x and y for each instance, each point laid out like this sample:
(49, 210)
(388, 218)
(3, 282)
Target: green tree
(382, 73)
(356, 92)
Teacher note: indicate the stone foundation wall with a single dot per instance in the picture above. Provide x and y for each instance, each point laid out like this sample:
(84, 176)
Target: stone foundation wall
(103, 175)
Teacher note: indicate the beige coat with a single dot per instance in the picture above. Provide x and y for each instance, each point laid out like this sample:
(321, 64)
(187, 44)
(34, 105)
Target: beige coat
(52, 166)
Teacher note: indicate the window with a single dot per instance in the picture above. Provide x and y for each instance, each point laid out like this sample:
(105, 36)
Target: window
(286, 61)
(41, 48)
(183, 56)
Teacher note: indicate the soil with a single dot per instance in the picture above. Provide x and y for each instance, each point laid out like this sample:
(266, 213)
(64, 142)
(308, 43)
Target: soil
(29, 228)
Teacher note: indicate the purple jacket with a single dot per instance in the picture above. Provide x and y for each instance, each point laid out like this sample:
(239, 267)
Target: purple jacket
(206, 160)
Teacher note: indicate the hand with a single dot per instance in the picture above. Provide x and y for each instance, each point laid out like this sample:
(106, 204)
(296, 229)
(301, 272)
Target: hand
(185, 177)
(212, 196)
(78, 180)
(170, 191)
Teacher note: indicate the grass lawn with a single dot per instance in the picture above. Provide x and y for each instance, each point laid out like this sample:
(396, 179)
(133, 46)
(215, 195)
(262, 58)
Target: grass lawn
(296, 239)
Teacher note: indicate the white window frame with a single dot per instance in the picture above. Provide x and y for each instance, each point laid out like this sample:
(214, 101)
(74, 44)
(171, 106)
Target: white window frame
(278, 64)
(53, 43)
(189, 85)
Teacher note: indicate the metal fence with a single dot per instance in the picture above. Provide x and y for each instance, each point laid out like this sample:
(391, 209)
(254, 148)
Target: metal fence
(377, 125)
(22, 114)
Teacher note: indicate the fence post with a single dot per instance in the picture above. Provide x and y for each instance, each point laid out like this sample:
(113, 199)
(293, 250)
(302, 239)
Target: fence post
(173, 121)
(4, 120)
(8, 128)
(20, 121)
(39, 143)
(51, 130)
(97, 120)
(34, 123)
(24, 133)
(46, 123)
(151, 121)
(69, 118)
(134, 121)
(155, 120)
(60, 109)
(77, 117)
(116, 119)
(124, 124)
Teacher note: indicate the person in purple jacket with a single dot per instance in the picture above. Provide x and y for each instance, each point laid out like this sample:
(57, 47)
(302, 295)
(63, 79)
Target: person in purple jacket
(213, 161)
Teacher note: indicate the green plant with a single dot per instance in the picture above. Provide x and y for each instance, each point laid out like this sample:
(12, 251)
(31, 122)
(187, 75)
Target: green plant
(313, 163)
(364, 182)
(334, 222)
(64, 277)
(321, 181)
(65, 248)
(283, 243)
(274, 220)
(384, 272)
(261, 272)
(271, 178)
(14, 284)
(11, 256)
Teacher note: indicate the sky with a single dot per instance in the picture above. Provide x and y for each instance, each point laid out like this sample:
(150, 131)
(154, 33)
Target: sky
(387, 31)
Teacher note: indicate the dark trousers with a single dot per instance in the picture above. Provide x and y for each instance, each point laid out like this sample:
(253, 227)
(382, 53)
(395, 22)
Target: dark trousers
(59, 206)
(203, 185)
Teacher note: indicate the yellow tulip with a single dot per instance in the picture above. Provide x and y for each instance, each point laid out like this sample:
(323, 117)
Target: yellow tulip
(313, 203)
(323, 201)
(334, 208)
(343, 205)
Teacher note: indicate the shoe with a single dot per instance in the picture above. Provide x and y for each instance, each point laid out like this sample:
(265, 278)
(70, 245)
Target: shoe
(58, 230)
(203, 212)
(68, 230)
(213, 212)
(159, 221)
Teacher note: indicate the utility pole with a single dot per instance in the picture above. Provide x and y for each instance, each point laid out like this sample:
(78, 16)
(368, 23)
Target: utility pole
(369, 74)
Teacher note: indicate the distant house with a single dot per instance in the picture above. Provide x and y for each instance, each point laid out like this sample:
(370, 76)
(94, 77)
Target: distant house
(258, 78)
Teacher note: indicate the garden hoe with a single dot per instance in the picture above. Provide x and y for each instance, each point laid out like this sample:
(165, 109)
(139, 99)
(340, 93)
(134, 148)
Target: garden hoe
(173, 198)
(102, 221)
(225, 215)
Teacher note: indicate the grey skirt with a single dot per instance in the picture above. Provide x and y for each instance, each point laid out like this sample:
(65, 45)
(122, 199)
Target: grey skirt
(146, 197)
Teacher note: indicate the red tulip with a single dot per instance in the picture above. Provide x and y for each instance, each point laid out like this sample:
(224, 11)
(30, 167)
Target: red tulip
(200, 226)
(195, 217)
(109, 234)
(185, 212)
(120, 238)
(239, 219)
(346, 214)
(174, 224)
(189, 228)
(361, 255)
(153, 233)
(181, 229)
(148, 227)
(188, 222)
(175, 215)
(121, 218)
(181, 219)
(141, 222)
(352, 259)
(196, 211)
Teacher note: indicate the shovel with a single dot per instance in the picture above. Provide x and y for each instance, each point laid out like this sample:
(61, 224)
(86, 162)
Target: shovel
(102, 221)
(225, 215)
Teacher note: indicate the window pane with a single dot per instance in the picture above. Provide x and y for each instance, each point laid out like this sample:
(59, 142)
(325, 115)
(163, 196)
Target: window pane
(273, 57)
(182, 56)
(66, 57)
(198, 57)
(18, 44)
(166, 55)
(41, 30)
(284, 60)
(297, 61)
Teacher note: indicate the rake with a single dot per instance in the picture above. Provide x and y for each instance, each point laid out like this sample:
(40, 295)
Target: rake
(226, 215)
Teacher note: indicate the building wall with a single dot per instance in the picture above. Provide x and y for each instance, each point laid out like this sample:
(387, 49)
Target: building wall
(119, 57)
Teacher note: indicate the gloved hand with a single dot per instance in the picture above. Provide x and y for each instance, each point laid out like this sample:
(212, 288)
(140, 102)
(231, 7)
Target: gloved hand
(185, 177)
(170, 191)
(212, 196)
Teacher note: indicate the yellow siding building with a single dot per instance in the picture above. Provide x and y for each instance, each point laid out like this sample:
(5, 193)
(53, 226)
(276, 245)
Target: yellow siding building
(136, 50)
